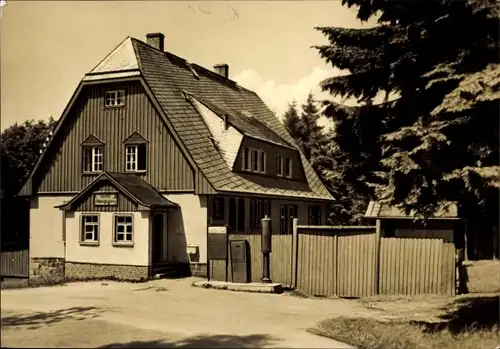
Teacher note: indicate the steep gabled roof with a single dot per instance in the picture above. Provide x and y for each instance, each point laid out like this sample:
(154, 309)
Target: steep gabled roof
(168, 76)
(130, 185)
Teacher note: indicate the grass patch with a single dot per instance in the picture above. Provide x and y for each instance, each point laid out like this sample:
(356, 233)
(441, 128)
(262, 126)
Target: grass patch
(469, 323)
(483, 276)
(373, 334)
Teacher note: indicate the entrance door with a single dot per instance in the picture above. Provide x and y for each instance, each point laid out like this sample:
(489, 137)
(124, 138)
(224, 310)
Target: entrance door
(158, 237)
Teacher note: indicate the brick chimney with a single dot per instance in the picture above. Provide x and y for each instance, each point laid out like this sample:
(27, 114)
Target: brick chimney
(156, 40)
(222, 69)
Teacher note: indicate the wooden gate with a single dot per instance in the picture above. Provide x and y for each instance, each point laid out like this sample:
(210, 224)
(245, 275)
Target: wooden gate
(14, 262)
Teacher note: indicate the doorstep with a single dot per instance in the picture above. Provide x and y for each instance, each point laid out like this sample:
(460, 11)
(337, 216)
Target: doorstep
(258, 287)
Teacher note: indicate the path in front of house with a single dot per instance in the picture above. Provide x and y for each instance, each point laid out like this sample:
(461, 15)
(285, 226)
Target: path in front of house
(163, 314)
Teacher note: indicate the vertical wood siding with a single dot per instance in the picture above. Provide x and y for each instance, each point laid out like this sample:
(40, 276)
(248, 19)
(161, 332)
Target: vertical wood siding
(342, 261)
(333, 262)
(87, 203)
(410, 266)
(167, 168)
(217, 270)
(281, 251)
(14, 263)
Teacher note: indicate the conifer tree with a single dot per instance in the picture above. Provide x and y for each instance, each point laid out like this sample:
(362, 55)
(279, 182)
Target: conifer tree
(437, 141)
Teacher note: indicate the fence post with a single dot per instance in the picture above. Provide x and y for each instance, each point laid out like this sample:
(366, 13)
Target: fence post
(295, 251)
(377, 256)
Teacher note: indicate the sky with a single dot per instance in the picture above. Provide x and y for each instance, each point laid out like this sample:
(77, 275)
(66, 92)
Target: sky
(47, 46)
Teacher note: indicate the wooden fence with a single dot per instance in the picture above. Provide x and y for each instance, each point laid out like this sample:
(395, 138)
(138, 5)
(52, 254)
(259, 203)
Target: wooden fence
(281, 256)
(14, 263)
(350, 261)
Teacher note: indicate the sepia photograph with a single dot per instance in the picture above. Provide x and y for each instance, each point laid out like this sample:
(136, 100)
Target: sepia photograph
(250, 174)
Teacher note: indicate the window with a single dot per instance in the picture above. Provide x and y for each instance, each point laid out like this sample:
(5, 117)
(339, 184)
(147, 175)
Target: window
(124, 229)
(283, 219)
(255, 213)
(233, 214)
(218, 209)
(293, 212)
(89, 229)
(135, 157)
(279, 165)
(241, 215)
(115, 98)
(93, 159)
(254, 160)
(262, 161)
(246, 159)
(259, 209)
(288, 167)
(314, 215)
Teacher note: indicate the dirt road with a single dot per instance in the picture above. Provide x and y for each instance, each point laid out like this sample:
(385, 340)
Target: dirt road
(162, 314)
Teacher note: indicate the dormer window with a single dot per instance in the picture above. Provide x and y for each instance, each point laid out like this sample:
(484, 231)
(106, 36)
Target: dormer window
(114, 98)
(93, 159)
(135, 153)
(92, 155)
(135, 158)
(254, 160)
(288, 168)
(279, 166)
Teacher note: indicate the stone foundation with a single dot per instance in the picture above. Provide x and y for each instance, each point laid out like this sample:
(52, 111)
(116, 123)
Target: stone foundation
(45, 270)
(86, 271)
(198, 269)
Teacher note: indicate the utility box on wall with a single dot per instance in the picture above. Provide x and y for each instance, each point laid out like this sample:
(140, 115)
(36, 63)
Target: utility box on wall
(240, 267)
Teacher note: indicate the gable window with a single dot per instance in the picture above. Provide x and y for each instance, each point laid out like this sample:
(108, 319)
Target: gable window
(124, 230)
(115, 98)
(314, 215)
(279, 165)
(135, 157)
(93, 158)
(218, 209)
(135, 153)
(89, 233)
(288, 167)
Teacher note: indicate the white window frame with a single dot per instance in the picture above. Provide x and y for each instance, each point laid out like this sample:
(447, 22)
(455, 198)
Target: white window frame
(290, 166)
(114, 98)
(279, 169)
(95, 231)
(128, 236)
(262, 161)
(96, 157)
(252, 152)
(131, 158)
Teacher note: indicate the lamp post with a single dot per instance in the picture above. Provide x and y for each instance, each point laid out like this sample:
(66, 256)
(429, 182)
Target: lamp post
(266, 248)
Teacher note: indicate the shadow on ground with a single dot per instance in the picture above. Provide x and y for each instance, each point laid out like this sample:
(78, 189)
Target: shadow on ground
(38, 319)
(203, 341)
(468, 313)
